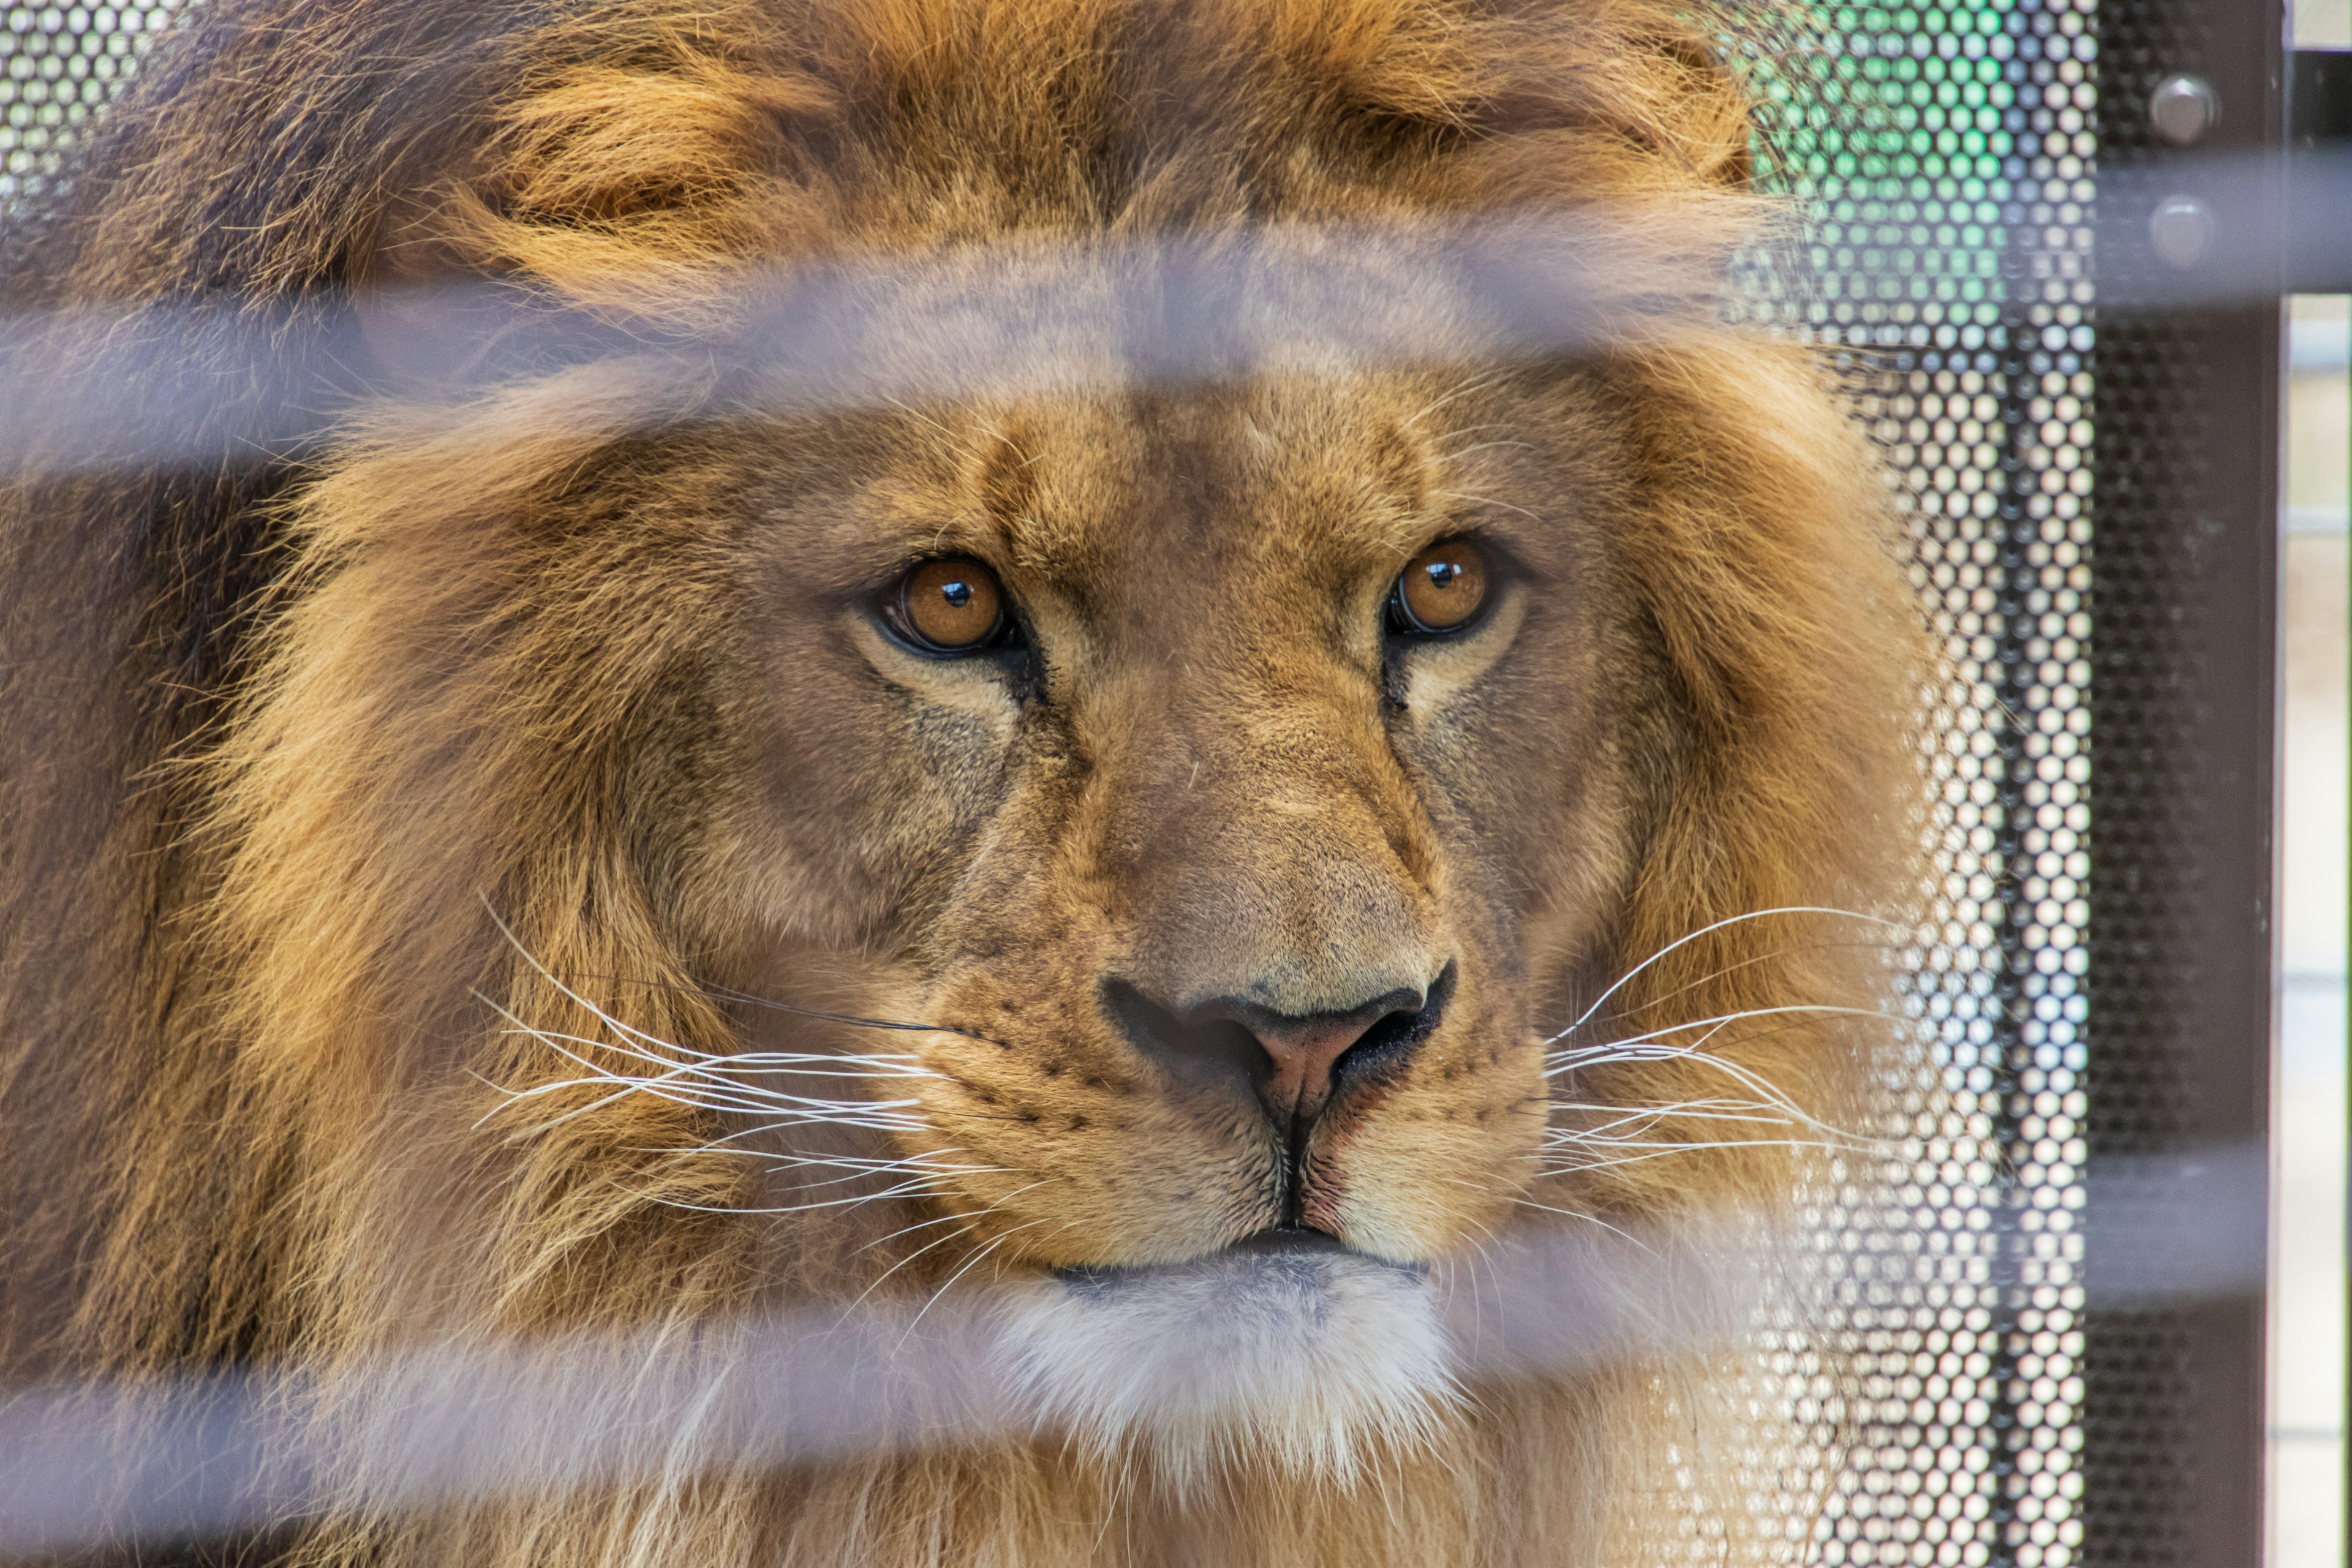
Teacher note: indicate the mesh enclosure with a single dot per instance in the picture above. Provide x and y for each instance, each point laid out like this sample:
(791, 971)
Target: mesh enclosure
(2052, 469)
(2088, 500)
(60, 65)
(1943, 161)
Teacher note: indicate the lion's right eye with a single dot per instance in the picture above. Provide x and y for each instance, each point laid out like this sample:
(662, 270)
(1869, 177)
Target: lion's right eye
(950, 606)
(1442, 590)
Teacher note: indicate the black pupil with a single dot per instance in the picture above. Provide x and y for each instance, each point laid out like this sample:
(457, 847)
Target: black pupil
(957, 595)
(1442, 574)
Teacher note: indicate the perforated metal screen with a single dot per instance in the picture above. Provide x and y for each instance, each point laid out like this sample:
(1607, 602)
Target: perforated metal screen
(1944, 160)
(2088, 498)
(62, 65)
(2068, 484)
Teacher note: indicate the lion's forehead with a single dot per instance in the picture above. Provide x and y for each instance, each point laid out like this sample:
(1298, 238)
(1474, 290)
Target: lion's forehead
(1127, 503)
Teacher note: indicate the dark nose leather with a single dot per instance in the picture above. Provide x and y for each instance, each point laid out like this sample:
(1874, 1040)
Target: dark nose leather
(1294, 1063)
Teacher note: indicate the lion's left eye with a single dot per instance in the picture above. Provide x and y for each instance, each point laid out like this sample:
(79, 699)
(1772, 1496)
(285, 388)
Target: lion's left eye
(950, 606)
(1442, 590)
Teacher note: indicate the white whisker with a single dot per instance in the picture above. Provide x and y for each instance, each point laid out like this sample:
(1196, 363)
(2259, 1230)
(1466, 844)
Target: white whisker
(1573, 1214)
(1660, 1151)
(1489, 500)
(673, 1070)
(1474, 383)
(946, 1219)
(1587, 1056)
(991, 1246)
(1600, 1001)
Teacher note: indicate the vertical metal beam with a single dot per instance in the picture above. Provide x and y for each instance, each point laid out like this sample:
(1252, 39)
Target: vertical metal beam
(2319, 185)
(2183, 742)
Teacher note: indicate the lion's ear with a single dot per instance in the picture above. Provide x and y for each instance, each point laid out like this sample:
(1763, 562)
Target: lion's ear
(1714, 135)
(1394, 60)
(1643, 84)
(1633, 99)
(625, 190)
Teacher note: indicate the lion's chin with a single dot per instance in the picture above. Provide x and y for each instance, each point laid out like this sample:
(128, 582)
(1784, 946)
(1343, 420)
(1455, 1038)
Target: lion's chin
(1273, 1353)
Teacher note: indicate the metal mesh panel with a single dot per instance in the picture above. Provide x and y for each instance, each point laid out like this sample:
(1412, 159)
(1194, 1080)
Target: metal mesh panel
(1943, 159)
(59, 65)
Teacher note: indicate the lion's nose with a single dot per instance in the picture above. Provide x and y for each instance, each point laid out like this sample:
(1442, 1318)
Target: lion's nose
(1294, 1062)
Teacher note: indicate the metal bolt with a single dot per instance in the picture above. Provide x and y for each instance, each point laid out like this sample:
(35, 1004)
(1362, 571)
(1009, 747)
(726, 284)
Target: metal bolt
(2180, 231)
(2183, 108)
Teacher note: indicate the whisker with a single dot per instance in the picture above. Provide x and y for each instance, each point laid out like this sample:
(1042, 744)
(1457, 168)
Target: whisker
(699, 1067)
(925, 1224)
(929, 1160)
(719, 1096)
(1645, 1118)
(852, 1163)
(935, 1241)
(1663, 1151)
(1600, 1001)
(838, 1112)
(515, 1097)
(987, 1209)
(913, 1173)
(1570, 1213)
(594, 1011)
(1750, 963)
(848, 1114)
(1585, 1056)
(672, 1069)
(1467, 387)
(1489, 500)
(687, 1083)
(993, 1243)
(560, 1042)
(728, 994)
(1774, 1106)
(903, 1190)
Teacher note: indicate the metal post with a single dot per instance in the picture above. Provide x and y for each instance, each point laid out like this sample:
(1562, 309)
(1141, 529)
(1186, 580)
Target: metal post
(2182, 743)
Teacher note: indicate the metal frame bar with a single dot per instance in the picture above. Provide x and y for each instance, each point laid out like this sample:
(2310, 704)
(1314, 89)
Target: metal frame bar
(2183, 743)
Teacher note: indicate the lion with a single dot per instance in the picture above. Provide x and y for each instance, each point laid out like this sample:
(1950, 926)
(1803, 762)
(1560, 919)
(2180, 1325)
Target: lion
(554, 835)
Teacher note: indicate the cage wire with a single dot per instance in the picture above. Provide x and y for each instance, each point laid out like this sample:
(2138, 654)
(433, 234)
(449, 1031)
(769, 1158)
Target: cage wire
(62, 65)
(1941, 161)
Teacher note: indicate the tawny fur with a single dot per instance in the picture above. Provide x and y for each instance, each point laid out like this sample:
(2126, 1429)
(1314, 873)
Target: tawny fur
(325, 766)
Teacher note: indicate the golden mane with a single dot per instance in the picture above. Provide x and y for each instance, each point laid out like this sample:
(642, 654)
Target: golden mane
(329, 763)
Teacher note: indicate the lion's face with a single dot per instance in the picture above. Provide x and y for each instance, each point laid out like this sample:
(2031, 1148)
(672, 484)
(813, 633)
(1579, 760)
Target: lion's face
(1235, 900)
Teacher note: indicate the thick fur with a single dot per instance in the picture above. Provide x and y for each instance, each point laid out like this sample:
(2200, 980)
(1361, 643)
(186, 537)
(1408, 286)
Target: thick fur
(344, 778)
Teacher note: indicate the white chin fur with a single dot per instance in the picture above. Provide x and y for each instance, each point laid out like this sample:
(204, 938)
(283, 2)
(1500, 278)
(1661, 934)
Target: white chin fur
(1314, 1362)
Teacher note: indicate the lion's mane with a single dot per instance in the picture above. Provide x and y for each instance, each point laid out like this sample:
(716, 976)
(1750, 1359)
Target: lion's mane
(293, 730)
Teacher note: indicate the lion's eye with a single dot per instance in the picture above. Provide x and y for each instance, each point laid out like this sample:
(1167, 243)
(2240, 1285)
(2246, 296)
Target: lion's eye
(1442, 590)
(950, 606)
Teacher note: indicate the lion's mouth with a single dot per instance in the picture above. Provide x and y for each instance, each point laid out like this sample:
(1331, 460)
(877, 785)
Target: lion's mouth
(1276, 1249)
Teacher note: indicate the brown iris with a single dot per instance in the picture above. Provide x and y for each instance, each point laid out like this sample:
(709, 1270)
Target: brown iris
(1442, 590)
(951, 606)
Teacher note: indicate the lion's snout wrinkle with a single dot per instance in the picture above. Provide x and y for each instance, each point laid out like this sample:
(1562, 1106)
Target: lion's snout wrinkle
(1236, 901)
(1293, 1063)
